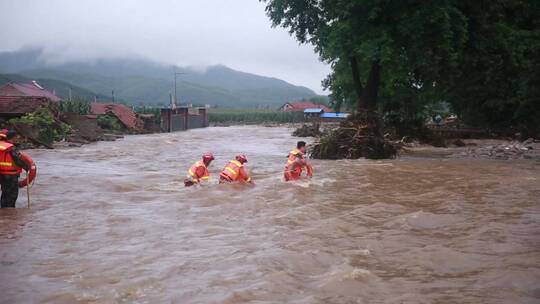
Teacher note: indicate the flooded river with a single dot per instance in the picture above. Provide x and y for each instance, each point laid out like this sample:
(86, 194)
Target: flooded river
(112, 223)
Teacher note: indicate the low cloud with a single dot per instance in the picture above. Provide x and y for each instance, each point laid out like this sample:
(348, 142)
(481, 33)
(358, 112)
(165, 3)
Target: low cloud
(236, 33)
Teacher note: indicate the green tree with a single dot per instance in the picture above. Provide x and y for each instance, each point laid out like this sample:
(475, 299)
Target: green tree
(498, 81)
(382, 44)
(77, 106)
(481, 57)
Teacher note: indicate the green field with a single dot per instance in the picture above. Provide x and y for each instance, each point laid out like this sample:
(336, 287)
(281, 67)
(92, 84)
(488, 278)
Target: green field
(253, 116)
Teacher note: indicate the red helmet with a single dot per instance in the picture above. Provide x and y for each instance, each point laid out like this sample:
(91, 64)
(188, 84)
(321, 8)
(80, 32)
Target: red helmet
(242, 158)
(208, 156)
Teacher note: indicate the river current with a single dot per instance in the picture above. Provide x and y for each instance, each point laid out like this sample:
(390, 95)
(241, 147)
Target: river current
(111, 222)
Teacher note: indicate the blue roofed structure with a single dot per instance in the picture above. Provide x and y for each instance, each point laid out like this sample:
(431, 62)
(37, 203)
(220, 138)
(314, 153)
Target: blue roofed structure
(334, 115)
(314, 110)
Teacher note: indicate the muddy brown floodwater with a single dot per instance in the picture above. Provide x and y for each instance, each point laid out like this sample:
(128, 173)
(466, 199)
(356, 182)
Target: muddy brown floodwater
(112, 223)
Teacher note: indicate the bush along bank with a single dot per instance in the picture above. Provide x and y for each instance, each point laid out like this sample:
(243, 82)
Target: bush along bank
(40, 128)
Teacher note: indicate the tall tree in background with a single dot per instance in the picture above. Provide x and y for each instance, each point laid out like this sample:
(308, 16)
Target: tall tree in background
(498, 80)
(480, 56)
(373, 44)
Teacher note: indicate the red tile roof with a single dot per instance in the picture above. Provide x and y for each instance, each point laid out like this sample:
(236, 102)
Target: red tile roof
(27, 89)
(300, 106)
(21, 104)
(123, 112)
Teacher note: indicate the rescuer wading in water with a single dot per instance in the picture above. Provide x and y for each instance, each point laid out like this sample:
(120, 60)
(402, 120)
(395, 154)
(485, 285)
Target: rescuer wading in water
(235, 171)
(199, 171)
(296, 162)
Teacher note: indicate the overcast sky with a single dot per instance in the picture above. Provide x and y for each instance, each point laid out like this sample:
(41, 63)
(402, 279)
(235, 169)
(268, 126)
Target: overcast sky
(236, 33)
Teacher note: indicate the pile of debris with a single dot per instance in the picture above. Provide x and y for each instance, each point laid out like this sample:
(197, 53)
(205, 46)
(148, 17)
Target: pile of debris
(308, 131)
(529, 149)
(356, 137)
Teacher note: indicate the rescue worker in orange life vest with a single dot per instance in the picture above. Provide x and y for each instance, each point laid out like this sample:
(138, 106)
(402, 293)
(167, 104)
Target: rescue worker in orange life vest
(199, 171)
(11, 165)
(235, 171)
(296, 162)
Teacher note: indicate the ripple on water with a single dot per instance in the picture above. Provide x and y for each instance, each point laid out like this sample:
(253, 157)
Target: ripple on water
(118, 228)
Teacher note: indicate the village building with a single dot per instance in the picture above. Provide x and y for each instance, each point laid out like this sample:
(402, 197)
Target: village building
(301, 106)
(332, 117)
(27, 90)
(17, 99)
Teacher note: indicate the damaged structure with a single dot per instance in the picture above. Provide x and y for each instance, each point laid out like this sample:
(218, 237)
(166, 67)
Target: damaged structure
(181, 118)
(125, 115)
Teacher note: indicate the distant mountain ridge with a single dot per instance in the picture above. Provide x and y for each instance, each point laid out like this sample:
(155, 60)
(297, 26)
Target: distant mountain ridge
(141, 81)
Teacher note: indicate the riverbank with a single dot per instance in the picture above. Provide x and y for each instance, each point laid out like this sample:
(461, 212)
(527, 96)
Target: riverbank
(476, 149)
(455, 148)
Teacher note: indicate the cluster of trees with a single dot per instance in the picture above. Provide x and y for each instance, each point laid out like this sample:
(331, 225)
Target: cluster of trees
(480, 57)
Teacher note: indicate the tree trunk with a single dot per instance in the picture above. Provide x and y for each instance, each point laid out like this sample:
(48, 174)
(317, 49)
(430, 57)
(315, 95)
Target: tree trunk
(368, 98)
(357, 83)
(367, 103)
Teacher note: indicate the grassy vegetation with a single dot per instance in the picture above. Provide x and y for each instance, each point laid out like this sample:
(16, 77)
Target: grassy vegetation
(253, 116)
(43, 124)
(110, 123)
(77, 106)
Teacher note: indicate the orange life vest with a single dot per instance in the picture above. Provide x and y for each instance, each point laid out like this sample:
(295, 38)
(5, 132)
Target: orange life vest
(193, 172)
(294, 154)
(293, 169)
(7, 165)
(232, 172)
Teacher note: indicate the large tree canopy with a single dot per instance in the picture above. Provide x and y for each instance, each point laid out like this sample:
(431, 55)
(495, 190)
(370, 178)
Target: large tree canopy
(480, 56)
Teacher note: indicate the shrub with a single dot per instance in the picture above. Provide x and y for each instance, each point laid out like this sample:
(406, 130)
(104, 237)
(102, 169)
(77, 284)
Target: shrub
(42, 122)
(109, 122)
(77, 106)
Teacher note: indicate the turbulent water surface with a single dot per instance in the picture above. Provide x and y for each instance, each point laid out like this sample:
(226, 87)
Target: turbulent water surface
(111, 223)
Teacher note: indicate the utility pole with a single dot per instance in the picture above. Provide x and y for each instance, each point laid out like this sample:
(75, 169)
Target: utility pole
(70, 94)
(176, 73)
(112, 96)
(172, 104)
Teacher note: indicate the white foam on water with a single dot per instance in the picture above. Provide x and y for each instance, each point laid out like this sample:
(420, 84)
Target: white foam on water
(307, 182)
(357, 273)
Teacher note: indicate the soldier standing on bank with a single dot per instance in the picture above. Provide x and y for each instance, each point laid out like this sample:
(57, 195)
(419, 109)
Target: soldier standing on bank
(11, 166)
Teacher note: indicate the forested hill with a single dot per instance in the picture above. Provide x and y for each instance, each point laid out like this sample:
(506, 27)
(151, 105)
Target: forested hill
(141, 81)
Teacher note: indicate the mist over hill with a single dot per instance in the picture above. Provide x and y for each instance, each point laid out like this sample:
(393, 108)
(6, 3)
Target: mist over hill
(141, 81)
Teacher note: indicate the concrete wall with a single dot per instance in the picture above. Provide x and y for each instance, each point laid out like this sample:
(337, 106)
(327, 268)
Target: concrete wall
(180, 119)
(199, 120)
(178, 123)
(195, 121)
